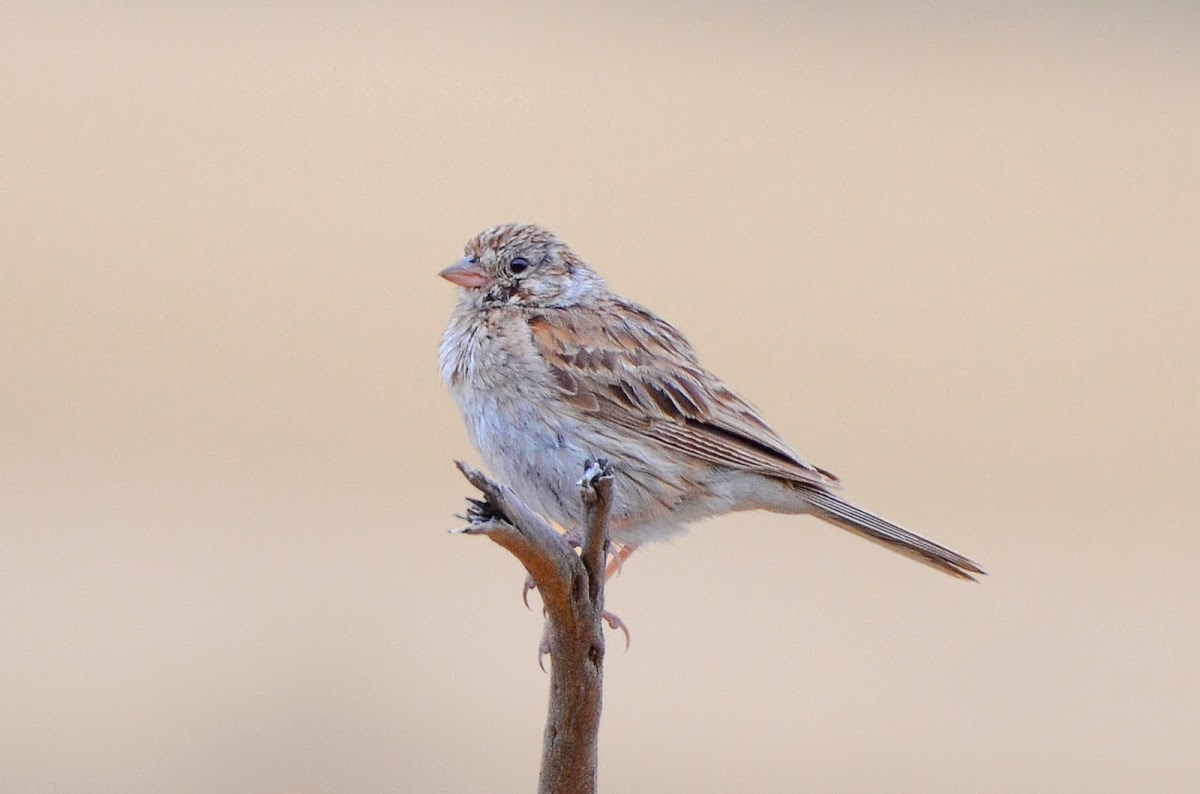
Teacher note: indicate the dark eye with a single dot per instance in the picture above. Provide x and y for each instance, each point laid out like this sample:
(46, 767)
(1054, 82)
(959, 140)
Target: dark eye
(519, 265)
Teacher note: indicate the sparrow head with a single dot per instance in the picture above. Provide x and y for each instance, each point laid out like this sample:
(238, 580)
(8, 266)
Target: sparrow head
(520, 264)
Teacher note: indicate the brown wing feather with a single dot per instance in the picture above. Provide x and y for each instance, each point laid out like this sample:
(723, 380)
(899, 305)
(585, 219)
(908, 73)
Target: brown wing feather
(629, 368)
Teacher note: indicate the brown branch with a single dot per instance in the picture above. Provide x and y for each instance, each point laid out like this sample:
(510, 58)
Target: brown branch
(572, 589)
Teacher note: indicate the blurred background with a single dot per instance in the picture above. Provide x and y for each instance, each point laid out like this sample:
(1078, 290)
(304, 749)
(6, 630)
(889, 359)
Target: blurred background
(949, 249)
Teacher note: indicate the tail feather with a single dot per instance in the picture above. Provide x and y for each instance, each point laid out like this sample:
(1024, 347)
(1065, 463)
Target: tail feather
(886, 534)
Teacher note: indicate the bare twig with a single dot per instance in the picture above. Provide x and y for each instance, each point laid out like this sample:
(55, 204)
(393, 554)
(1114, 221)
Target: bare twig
(572, 589)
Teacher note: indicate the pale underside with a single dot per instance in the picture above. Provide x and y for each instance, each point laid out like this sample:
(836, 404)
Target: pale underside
(617, 382)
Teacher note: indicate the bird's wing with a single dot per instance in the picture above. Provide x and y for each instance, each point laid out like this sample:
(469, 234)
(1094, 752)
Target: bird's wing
(622, 365)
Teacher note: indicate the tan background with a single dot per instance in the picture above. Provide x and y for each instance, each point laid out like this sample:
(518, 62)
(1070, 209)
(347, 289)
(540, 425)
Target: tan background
(949, 251)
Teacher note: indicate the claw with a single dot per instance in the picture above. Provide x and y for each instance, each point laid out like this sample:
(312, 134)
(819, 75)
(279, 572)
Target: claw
(544, 646)
(615, 622)
(529, 585)
(615, 565)
(610, 618)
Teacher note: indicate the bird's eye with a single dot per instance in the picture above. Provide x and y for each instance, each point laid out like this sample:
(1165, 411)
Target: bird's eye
(519, 265)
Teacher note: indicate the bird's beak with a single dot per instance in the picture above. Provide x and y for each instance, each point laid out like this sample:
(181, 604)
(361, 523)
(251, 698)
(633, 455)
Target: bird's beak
(465, 273)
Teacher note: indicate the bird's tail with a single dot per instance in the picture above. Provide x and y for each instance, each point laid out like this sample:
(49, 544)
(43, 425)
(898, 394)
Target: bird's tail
(886, 534)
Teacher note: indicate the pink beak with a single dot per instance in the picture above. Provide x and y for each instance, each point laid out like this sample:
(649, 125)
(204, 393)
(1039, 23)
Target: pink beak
(465, 273)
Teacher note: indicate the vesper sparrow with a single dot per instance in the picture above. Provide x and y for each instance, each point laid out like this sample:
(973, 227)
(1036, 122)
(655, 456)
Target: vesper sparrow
(550, 368)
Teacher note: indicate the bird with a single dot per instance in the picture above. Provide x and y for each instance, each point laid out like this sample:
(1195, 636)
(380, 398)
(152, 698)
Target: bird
(550, 368)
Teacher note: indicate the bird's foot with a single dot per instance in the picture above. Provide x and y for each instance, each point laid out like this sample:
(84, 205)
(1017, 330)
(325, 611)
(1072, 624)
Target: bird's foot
(615, 622)
(617, 560)
(544, 645)
(529, 585)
